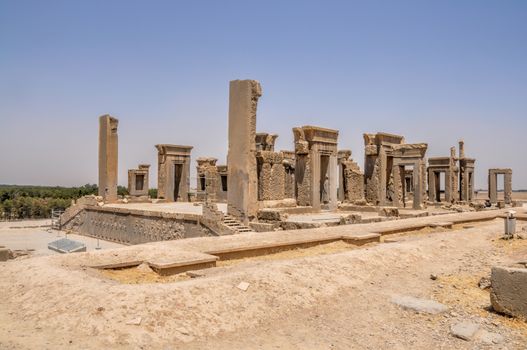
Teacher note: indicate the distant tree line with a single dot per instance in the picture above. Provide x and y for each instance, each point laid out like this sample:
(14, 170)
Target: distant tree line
(21, 202)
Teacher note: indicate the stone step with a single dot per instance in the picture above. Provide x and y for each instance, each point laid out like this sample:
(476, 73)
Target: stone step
(235, 224)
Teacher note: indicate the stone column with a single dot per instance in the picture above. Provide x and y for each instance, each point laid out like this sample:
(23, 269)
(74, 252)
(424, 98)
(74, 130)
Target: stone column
(383, 180)
(432, 185)
(343, 155)
(451, 178)
(461, 149)
(333, 168)
(418, 184)
(507, 187)
(493, 187)
(314, 155)
(108, 152)
(242, 197)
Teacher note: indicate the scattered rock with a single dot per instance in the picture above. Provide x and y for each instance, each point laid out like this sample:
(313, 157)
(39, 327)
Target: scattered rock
(195, 274)
(419, 305)
(489, 337)
(5, 254)
(100, 309)
(464, 330)
(433, 277)
(134, 322)
(521, 235)
(243, 286)
(182, 330)
(144, 267)
(484, 283)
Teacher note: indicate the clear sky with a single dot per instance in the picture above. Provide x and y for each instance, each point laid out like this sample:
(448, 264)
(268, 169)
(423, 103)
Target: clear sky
(434, 71)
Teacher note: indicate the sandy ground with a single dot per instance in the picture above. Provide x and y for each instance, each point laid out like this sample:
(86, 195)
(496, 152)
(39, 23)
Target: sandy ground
(327, 299)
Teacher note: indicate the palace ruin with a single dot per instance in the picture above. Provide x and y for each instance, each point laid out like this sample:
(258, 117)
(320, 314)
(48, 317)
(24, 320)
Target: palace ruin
(314, 183)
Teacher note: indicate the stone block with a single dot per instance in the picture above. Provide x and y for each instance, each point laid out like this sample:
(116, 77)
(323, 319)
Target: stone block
(262, 227)
(269, 215)
(509, 290)
(5, 254)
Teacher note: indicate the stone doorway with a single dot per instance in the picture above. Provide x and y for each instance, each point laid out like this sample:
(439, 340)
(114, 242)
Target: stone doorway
(324, 181)
(178, 171)
(139, 181)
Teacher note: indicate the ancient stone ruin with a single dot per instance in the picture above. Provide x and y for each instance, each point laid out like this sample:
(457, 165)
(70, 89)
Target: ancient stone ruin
(507, 185)
(262, 187)
(173, 177)
(138, 180)
(108, 152)
(387, 159)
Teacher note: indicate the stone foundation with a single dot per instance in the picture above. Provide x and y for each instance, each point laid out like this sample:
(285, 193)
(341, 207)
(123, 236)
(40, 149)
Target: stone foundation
(135, 226)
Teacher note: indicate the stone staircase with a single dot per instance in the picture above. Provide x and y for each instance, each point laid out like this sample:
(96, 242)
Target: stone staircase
(235, 225)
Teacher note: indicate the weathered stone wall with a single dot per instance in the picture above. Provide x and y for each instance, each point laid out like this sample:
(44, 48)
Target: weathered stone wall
(303, 179)
(208, 179)
(372, 174)
(135, 226)
(271, 175)
(289, 174)
(351, 181)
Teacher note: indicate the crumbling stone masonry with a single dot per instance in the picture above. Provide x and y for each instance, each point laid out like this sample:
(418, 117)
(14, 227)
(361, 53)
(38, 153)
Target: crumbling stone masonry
(507, 186)
(223, 174)
(466, 171)
(108, 161)
(413, 156)
(351, 179)
(448, 166)
(289, 173)
(173, 179)
(377, 165)
(386, 157)
(316, 167)
(208, 179)
(242, 195)
(270, 169)
(138, 180)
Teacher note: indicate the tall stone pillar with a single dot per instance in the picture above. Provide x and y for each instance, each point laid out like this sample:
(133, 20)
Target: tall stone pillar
(452, 177)
(108, 151)
(507, 187)
(242, 197)
(342, 156)
(461, 149)
(493, 187)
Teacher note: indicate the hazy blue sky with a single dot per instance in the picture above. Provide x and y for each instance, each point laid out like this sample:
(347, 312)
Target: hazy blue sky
(434, 71)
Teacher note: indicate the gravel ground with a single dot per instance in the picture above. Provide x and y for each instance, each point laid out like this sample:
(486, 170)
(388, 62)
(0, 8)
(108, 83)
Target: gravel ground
(340, 300)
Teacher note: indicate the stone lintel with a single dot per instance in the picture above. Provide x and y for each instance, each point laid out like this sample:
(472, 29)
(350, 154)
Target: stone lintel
(319, 134)
(174, 150)
(500, 171)
(206, 161)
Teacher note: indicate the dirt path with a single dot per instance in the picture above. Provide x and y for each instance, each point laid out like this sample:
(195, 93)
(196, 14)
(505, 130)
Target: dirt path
(333, 301)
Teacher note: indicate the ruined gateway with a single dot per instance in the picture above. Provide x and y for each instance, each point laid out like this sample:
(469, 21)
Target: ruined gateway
(263, 189)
